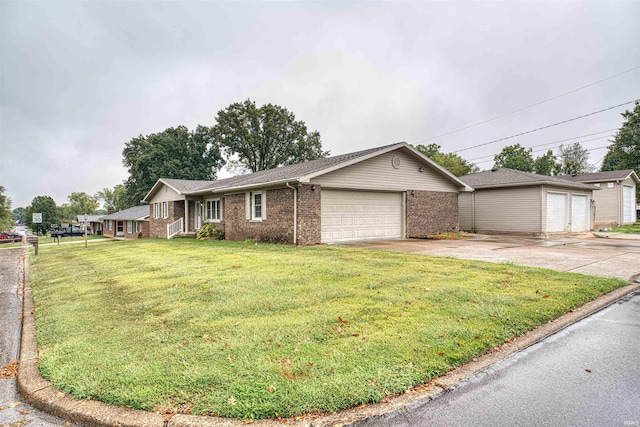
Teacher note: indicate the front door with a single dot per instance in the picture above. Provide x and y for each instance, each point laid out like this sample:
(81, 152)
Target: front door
(119, 228)
(198, 215)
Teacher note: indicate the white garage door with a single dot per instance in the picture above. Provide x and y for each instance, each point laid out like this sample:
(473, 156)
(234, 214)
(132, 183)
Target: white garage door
(629, 204)
(356, 215)
(579, 213)
(557, 208)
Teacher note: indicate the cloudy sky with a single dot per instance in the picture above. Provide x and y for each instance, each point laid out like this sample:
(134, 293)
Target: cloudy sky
(79, 79)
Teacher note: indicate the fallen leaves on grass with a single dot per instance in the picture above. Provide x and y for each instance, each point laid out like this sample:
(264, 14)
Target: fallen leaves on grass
(9, 371)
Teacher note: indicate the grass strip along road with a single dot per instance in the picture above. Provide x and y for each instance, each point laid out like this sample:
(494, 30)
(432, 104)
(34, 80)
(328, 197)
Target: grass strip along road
(261, 331)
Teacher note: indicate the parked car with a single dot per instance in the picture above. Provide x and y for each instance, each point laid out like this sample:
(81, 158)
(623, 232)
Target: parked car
(9, 237)
(68, 232)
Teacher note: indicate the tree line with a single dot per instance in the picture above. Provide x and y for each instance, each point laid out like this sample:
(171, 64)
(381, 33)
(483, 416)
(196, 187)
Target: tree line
(248, 138)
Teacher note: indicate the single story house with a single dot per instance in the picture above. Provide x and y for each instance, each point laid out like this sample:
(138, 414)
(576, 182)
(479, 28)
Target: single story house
(615, 202)
(132, 223)
(94, 223)
(511, 201)
(387, 192)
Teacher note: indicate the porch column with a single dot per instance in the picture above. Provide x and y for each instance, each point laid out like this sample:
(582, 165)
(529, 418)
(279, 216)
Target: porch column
(186, 215)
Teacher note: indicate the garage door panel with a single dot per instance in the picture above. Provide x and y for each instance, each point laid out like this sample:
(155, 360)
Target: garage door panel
(579, 213)
(350, 215)
(557, 208)
(628, 201)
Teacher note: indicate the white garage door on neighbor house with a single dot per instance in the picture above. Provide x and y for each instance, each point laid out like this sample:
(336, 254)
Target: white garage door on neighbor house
(579, 213)
(557, 208)
(628, 202)
(360, 215)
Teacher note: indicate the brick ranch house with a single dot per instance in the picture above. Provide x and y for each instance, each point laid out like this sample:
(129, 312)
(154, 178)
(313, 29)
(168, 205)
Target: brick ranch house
(392, 191)
(132, 223)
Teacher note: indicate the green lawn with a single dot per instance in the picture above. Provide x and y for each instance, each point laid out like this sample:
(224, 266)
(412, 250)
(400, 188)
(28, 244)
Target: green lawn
(628, 229)
(259, 331)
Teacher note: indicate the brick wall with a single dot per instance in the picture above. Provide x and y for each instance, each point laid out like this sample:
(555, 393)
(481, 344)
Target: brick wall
(158, 226)
(431, 212)
(106, 231)
(309, 220)
(276, 228)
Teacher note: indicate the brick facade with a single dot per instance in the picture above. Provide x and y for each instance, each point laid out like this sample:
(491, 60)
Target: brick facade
(158, 226)
(277, 227)
(143, 229)
(309, 215)
(431, 212)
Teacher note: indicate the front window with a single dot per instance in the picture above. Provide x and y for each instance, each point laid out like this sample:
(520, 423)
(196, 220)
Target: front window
(110, 225)
(213, 211)
(156, 210)
(129, 227)
(165, 210)
(137, 225)
(257, 205)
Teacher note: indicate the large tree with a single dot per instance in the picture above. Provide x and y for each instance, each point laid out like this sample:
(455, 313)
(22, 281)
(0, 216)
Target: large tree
(47, 207)
(573, 159)
(79, 203)
(265, 137)
(18, 215)
(450, 161)
(514, 157)
(6, 216)
(545, 164)
(624, 151)
(174, 153)
(112, 198)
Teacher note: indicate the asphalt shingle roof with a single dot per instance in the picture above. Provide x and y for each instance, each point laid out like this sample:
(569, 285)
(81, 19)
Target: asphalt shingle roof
(288, 172)
(504, 177)
(131, 214)
(598, 176)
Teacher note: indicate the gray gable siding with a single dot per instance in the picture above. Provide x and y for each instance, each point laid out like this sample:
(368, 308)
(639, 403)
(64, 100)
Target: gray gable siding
(379, 174)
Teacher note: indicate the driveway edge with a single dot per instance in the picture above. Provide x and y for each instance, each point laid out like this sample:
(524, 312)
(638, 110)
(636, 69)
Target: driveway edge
(40, 393)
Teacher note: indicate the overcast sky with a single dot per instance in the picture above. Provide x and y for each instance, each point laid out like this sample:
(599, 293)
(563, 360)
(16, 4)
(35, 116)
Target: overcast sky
(79, 79)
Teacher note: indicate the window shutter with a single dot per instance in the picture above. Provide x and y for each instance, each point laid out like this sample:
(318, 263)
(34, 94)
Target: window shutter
(264, 204)
(247, 205)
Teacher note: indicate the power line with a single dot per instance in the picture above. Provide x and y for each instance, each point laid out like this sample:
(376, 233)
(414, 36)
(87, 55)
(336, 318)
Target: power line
(546, 127)
(560, 140)
(588, 149)
(529, 106)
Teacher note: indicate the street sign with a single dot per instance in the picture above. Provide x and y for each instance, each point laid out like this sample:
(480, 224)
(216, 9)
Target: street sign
(37, 218)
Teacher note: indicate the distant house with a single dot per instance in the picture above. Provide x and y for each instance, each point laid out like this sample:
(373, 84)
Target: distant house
(615, 202)
(132, 223)
(381, 193)
(511, 201)
(94, 223)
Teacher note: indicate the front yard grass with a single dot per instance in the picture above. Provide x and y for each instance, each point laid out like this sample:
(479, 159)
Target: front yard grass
(263, 331)
(628, 229)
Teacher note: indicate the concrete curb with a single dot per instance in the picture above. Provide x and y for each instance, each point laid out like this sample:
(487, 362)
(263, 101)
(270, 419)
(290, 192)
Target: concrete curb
(43, 395)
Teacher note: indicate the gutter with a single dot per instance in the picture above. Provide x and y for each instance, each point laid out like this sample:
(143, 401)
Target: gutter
(295, 213)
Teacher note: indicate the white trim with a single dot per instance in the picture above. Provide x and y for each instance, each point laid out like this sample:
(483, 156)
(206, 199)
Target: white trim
(129, 226)
(209, 212)
(165, 210)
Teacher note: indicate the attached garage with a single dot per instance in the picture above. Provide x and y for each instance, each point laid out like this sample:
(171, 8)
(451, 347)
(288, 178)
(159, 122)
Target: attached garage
(360, 215)
(510, 201)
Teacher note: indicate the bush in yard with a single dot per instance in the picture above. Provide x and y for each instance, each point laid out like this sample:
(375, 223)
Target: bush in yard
(210, 232)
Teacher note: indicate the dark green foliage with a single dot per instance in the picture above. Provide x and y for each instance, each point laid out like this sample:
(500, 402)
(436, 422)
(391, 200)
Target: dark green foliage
(450, 161)
(514, 157)
(545, 164)
(624, 152)
(47, 207)
(174, 153)
(6, 217)
(210, 232)
(265, 137)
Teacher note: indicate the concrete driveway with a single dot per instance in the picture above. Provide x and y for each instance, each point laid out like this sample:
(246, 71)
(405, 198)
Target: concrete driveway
(615, 256)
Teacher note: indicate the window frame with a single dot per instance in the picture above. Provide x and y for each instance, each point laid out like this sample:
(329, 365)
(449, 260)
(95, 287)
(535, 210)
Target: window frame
(110, 225)
(165, 210)
(210, 210)
(254, 206)
(156, 210)
(129, 227)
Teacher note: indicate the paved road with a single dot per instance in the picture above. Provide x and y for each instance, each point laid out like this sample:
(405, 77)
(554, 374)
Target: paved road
(586, 375)
(13, 410)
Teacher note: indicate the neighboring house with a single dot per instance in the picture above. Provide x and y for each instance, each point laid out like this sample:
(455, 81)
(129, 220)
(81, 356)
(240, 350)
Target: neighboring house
(132, 223)
(94, 223)
(511, 201)
(381, 193)
(616, 200)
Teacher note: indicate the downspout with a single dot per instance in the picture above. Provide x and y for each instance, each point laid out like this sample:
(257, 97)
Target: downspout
(295, 213)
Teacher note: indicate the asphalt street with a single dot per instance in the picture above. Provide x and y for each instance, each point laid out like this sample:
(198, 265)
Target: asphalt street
(13, 410)
(585, 375)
